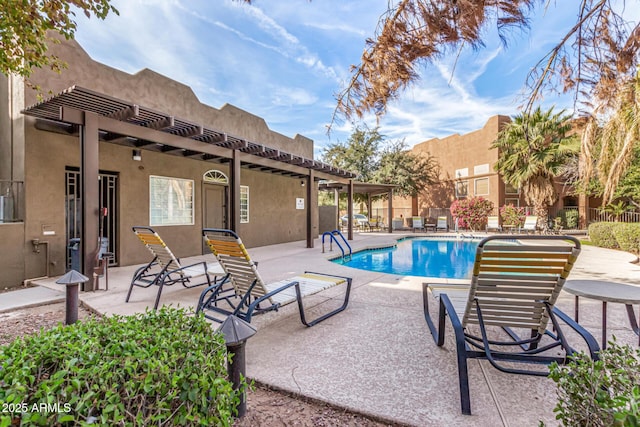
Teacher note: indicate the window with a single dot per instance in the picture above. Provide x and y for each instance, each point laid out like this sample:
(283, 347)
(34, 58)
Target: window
(215, 177)
(170, 201)
(512, 202)
(510, 189)
(481, 169)
(462, 189)
(481, 186)
(244, 204)
(461, 173)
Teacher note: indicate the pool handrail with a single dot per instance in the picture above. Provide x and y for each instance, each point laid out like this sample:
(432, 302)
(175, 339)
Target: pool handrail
(332, 238)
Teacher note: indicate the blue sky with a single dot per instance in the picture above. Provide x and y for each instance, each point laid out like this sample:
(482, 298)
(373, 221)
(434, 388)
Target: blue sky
(285, 60)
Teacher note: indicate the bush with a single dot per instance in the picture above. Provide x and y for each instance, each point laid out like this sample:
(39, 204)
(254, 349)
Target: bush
(158, 368)
(616, 235)
(472, 212)
(599, 393)
(601, 234)
(512, 215)
(571, 218)
(627, 236)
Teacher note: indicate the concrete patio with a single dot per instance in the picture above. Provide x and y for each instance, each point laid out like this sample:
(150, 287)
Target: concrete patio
(377, 357)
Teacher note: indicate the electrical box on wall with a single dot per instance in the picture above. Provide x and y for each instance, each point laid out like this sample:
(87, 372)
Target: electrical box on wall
(47, 230)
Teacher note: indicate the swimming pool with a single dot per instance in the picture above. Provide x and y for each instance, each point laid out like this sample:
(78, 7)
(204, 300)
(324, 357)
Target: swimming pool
(444, 258)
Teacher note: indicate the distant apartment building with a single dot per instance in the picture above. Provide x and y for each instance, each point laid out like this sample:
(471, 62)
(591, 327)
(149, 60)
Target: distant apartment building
(467, 169)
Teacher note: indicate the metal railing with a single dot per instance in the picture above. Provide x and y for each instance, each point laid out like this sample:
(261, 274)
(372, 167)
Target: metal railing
(332, 238)
(599, 214)
(11, 201)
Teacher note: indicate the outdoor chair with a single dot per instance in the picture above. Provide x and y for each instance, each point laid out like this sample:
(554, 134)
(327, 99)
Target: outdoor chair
(165, 269)
(513, 287)
(530, 224)
(442, 224)
(252, 294)
(417, 224)
(493, 223)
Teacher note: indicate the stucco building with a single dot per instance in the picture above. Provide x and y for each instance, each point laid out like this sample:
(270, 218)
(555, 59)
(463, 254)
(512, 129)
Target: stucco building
(145, 151)
(466, 169)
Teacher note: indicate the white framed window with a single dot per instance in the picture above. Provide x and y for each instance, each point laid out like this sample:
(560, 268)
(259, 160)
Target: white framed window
(481, 169)
(481, 186)
(512, 202)
(462, 189)
(510, 189)
(461, 173)
(170, 201)
(244, 204)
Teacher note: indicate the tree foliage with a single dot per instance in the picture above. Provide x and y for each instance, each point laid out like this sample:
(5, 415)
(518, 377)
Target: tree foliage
(375, 160)
(532, 150)
(591, 59)
(611, 139)
(24, 26)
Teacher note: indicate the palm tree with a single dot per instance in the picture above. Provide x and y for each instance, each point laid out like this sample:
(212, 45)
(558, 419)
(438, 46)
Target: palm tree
(531, 152)
(611, 136)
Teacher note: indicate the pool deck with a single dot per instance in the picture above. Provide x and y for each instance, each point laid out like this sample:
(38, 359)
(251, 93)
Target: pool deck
(377, 357)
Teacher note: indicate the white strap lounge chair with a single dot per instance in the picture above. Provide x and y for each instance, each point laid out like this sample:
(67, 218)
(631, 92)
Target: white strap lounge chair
(165, 269)
(442, 224)
(493, 223)
(252, 294)
(513, 287)
(417, 224)
(530, 224)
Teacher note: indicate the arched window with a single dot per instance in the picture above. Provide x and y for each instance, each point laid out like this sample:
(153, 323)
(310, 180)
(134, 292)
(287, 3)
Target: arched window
(215, 177)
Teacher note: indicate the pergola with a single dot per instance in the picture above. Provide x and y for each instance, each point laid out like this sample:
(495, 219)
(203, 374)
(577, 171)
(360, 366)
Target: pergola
(96, 117)
(371, 190)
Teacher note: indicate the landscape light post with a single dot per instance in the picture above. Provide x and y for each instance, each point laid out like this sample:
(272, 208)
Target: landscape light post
(236, 332)
(72, 281)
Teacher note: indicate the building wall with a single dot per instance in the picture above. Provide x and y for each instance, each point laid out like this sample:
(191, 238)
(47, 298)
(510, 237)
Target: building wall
(44, 156)
(456, 153)
(156, 91)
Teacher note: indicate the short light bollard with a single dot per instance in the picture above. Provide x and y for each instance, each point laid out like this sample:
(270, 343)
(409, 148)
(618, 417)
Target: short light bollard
(72, 281)
(236, 332)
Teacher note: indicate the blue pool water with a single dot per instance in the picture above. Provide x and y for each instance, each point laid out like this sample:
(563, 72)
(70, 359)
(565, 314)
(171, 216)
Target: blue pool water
(452, 259)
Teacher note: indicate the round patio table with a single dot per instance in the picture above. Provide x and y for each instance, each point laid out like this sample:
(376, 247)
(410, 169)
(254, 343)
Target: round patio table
(606, 291)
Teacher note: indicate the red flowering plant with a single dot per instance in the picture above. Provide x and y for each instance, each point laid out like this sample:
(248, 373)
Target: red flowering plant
(512, 215)
(471, 213)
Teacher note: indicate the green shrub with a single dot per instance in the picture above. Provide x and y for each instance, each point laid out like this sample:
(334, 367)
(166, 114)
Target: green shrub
(601, 234)
(599, 393)
(164, 367)
(627, 236)
(512, 215)
(571, 218)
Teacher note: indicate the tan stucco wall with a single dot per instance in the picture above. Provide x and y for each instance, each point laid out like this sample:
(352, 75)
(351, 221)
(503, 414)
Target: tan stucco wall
(153, 90)
(458, 152)
(12, 250)
(273, 217)
(40, 158)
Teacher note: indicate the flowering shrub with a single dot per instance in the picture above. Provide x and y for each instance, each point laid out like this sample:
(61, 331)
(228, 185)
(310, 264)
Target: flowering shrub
(512, 215)
(472, 212)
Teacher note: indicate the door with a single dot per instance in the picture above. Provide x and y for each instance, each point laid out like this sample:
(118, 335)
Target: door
(108, 195)
(215, 208)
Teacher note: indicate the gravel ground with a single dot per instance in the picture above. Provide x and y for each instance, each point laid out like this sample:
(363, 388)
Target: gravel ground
(265, 407)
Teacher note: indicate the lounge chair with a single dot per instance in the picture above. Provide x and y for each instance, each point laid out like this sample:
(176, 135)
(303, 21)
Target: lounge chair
(165, 269)
(493, 223)
(530, 224)
(417, 224)
(252, 293)
(442, 224)
(513, 286)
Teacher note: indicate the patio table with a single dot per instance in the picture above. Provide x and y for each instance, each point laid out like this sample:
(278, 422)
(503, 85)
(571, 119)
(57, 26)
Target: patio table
(606, 291)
